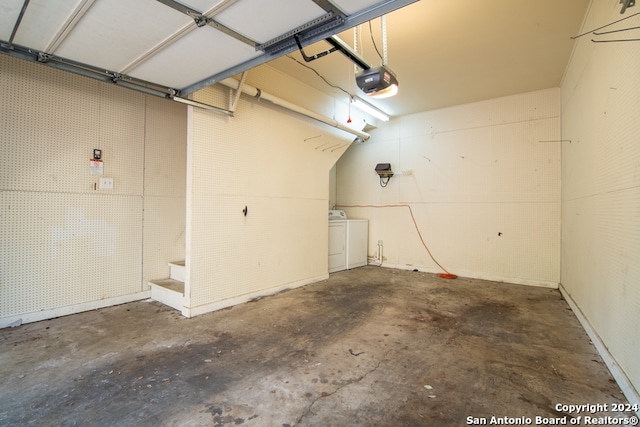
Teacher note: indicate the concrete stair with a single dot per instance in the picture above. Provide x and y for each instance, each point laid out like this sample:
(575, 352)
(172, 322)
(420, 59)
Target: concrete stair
(170, 291)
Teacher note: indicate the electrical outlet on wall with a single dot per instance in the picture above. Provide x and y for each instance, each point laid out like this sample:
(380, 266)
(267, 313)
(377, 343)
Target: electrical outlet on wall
(106, 183)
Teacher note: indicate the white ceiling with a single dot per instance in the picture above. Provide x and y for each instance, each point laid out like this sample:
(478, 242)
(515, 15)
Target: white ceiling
(447, 53)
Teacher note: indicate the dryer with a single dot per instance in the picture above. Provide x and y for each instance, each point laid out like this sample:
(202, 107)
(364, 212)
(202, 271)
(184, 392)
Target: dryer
(348, 241)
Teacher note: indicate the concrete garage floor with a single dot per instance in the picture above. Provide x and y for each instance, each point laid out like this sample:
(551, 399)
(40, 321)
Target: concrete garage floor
(368, 347)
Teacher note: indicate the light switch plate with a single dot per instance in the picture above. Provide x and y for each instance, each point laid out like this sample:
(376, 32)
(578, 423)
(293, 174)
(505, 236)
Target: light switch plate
(106, 183)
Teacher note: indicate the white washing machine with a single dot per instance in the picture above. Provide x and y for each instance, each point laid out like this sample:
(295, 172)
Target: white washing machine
(348, 241)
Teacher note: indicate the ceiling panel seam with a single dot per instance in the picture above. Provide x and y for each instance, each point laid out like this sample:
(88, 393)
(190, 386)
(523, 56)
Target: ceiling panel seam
(18, 21)
(160, 46)
(69, 25)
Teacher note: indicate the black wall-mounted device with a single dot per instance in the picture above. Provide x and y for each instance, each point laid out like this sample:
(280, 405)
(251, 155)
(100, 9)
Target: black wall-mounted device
(384, 172)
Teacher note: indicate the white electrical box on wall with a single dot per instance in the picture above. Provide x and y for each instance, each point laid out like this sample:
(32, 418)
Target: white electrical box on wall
(106, 183)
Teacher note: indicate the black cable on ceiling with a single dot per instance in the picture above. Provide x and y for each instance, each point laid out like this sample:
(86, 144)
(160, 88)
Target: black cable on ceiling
(374, 42)
(320, 75)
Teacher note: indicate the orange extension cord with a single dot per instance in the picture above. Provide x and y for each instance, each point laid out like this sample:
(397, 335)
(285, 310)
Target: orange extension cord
(446, 274)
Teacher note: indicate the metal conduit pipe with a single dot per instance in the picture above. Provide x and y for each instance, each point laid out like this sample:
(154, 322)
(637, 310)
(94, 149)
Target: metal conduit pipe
(255, 92)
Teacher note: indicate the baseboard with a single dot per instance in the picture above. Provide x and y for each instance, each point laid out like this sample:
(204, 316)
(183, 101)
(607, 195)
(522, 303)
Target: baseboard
(52, 313)
(230, 302)
(618, 374)
(469, 275)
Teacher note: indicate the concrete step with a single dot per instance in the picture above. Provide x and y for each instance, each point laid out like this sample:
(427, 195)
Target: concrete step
(177, 270)
(168, 291)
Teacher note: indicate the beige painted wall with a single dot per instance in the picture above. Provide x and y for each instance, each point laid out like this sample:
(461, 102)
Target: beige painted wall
(481, 181)
(601, 189)
(68, 246)
(65, 245)
(274, 162)
(164, 187)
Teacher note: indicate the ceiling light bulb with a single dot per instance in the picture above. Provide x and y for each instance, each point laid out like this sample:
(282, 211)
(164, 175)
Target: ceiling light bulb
(370, 109)
(385, 93)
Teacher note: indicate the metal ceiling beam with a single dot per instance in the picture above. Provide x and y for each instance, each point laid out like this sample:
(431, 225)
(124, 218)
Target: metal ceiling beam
(328, 6)
(183, 31)
(306, 37)
(201, 20)
(18, 21)
(75, 67)
(347, 51)
(322, 23)
(103, 75)
(338, 45)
